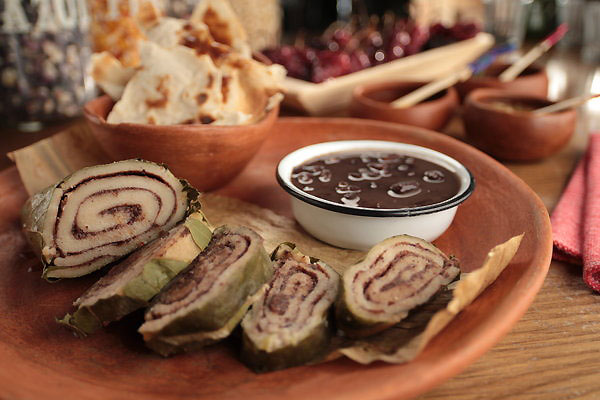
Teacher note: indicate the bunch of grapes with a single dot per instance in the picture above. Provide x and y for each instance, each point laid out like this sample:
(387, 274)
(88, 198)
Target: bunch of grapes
(346, 49)
(441, 35)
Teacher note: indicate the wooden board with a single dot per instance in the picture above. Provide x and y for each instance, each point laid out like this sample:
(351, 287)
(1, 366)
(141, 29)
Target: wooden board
(38, 359)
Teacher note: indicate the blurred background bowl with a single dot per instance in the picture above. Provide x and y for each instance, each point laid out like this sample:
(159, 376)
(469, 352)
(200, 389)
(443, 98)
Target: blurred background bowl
(372, 101)
(207, 156)
(533, 80)
(501, 124)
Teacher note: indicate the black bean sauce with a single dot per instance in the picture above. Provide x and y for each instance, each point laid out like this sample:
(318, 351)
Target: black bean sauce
(376, 180)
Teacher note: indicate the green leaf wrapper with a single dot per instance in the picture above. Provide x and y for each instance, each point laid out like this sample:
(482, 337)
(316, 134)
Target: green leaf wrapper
(169, 345)
(288, 324)
(132, 283)
(99, 214)
(209, 298)
(395, 276)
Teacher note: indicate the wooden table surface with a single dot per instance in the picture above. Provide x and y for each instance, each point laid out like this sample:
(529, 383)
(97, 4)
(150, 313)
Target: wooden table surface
(554, 351)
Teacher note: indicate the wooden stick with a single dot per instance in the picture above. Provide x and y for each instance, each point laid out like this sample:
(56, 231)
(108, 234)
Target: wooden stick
(562, 105)
(430, 89)
(519, 66)
(434, 87)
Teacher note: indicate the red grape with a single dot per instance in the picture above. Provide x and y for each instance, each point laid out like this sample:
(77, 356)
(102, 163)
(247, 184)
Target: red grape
(329, 64)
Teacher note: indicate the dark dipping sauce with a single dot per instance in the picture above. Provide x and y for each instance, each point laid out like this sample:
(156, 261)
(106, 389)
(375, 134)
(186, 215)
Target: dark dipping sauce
(376, 180)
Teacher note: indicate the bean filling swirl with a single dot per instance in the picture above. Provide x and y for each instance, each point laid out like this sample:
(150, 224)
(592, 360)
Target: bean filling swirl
(295, 302)
(202, 275)
(395, 276)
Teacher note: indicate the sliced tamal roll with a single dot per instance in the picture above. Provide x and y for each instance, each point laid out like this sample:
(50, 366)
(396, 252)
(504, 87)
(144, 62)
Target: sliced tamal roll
(134, 281)
(210, 296)
(395, 276)
(102, 213)
(288, 324)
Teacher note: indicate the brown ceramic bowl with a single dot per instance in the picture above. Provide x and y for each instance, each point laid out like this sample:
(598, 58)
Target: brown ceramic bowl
(533, 81)
(372, 101)
(207, 156)
(494, 125)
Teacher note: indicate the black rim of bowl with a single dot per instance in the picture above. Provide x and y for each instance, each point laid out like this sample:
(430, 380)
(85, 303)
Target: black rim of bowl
(388, 212)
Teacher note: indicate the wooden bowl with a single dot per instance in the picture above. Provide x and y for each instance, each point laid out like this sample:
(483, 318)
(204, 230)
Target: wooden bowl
(515, 135)
(532, 81)
(373, 102)
(207, 156)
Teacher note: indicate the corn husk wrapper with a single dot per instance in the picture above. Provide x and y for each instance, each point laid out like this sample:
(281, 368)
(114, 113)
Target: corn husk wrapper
(47, 161)
(223, 24)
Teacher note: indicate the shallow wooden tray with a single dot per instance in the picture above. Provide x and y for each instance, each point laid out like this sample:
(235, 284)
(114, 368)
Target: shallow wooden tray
(335, 94)
(40, 360)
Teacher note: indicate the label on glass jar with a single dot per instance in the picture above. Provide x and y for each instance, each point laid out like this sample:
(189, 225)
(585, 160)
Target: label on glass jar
(113, 13)
(52, 16)
(44, 56)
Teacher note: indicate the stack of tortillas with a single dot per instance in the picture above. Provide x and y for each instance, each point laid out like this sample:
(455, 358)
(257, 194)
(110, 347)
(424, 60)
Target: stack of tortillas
(196, 71)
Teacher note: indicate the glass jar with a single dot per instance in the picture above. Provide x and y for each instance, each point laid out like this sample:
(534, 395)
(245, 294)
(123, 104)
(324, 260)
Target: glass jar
(44, 56)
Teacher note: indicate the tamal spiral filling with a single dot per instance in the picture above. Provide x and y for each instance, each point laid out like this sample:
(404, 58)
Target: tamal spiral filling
(292, 295)
(295, 302)
(396, 276)
(128, 205)
(208, 298)
(202, 275)
(101, 213)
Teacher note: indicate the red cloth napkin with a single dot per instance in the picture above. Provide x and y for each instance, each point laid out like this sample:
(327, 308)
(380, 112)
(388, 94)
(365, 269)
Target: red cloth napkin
(576, 218)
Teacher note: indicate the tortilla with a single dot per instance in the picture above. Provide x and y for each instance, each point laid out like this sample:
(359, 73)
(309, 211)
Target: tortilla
(223, 23)
(110, 74)
(189, 73)
(173, 86)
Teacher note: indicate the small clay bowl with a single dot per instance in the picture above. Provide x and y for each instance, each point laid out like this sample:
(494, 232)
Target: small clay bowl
(533, 80)
(501, 124)
(207, 156)
(372, 101)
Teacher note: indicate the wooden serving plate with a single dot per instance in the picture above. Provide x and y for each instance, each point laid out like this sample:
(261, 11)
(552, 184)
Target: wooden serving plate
(40, 360)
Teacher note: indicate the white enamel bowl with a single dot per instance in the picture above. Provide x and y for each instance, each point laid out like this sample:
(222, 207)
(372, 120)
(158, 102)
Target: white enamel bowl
(358, 227)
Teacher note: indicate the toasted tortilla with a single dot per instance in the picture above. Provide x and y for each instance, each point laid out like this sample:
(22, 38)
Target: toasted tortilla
(170, 32)
(223, 23)
(110, 74)
(247, 86)
(196, 71)
(119, 29)
(173, 86)
(148, 14)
